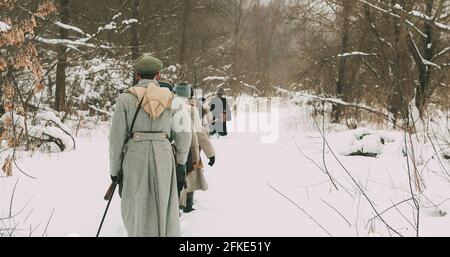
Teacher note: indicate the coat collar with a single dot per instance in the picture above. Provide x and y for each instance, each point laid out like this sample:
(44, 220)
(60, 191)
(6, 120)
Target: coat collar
(146, 82)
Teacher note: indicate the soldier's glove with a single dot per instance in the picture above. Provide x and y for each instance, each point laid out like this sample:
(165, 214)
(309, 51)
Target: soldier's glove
(115, 179)
(212, 160)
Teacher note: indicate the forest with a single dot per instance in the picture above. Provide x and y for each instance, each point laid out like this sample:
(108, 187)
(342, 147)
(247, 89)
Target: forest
(64, 62)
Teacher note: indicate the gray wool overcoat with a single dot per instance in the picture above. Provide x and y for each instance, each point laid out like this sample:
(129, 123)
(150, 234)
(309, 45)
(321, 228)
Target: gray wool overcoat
(149, 206)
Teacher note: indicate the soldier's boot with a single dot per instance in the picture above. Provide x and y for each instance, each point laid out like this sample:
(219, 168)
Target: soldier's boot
(189, 203)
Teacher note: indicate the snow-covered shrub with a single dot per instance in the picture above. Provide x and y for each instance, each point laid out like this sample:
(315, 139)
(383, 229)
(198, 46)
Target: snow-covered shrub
(171, 73)
(44, 131)
(96, 83)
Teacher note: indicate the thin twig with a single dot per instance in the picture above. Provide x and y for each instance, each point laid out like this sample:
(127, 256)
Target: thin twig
(437, 155)
(300, 208)
(17, 166)
(356, 183)
(329, 205)
(12, 199)
(45, 230)
(410, 184)
(393, 206)
(323, 153)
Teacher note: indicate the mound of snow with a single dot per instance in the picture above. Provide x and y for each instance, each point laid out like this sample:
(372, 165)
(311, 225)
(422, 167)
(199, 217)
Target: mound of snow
(360, 142)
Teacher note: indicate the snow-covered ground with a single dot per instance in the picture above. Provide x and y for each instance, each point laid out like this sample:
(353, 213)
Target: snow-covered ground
(256, 189)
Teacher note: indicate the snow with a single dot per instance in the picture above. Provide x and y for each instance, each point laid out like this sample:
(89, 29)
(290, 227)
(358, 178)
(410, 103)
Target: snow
(64, 42)
(362, 141)
(442, 52)
(172, 68)
(414, 13)
(253, 186)
(116, 16)
(250, 86)
(219, 78)
(355, 54)
(110, 26)
(69, 27)
(4, 27)
(45, 125)
(130, 21)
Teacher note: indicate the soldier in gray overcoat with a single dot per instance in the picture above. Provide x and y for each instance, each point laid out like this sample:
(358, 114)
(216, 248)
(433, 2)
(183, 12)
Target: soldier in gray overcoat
(150, 206)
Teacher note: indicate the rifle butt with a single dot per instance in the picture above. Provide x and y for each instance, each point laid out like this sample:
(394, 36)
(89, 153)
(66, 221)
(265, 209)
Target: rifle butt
(110, 193)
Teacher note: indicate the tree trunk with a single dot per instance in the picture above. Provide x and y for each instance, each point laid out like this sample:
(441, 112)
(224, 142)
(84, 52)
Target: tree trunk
(60, 91)
(342, 63)
(237, 21)
(135, 38)
(427, 53)
(399, 39)
(185, 25)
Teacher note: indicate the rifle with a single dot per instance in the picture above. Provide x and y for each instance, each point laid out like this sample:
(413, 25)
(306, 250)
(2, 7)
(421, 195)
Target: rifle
(112, 188)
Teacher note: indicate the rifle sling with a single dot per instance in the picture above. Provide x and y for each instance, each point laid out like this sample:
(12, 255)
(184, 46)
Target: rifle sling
(130, 134)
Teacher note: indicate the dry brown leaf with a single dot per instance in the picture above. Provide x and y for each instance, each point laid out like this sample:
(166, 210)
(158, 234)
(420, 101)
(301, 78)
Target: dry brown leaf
(3, 64)
(13, 37)
(4, 135)
(8, 91)
(7, 167)
(7, 121)
(39, 87)
(7, 4)
(20, 110)
(45, 9)
(9, 106)
(28, 25)
(12, 142)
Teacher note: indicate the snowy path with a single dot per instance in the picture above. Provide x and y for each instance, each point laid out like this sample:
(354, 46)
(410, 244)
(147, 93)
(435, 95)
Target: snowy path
(240, 201)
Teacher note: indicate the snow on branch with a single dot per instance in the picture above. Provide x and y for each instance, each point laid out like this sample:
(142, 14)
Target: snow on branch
(424, 17)
(4, 27)
(356, 54)
(68, 42)
(250, 86)
(216, 78)
(410, 23)
(413, 13)
(424, 61)
(333, 101)
(70, 27)
(130, 21)
(110, 26)
(100, 110)
(444, 51)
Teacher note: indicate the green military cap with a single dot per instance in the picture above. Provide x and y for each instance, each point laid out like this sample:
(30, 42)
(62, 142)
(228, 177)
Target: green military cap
(147, 64)
(166, 84)
(182, 89)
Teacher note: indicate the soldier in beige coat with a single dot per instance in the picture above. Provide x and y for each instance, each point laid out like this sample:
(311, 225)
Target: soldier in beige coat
(195, 179)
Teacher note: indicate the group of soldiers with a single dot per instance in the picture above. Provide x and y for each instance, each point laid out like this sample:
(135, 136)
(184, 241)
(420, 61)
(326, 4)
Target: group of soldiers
(158, 132)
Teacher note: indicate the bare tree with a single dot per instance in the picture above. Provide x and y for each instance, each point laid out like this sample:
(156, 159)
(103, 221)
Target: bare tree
(60, 91)
(135, 29)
